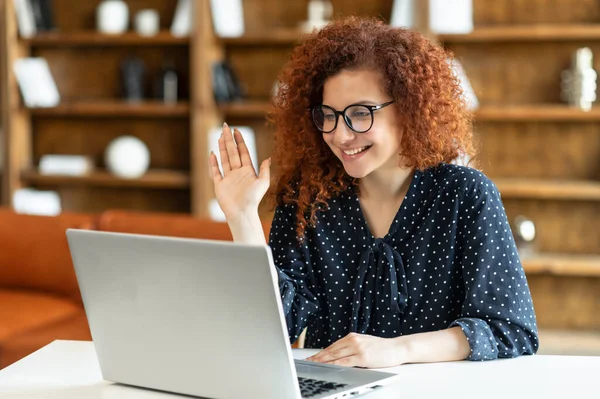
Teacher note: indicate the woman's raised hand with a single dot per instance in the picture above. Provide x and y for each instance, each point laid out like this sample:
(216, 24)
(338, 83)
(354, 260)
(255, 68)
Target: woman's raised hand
(238, 189)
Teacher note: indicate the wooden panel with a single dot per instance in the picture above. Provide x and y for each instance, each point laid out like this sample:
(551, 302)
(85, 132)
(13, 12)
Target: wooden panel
(569, 342)
(518, 73)
(566, 302)
(159, 179)
(113, 108)
(549, 189)
(535, 33)
(81, 15)
(93, 38)
(536, 112)
(99, 199)
(3, 102)
(94, 72)
(499, 12)
(167, 140)
(246, 109)
(561, 226)
(17, 124)
(562, 265)
(540, 150)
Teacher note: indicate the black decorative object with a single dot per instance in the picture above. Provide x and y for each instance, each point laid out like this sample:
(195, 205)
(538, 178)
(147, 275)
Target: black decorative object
(132, 73)
(226, 85)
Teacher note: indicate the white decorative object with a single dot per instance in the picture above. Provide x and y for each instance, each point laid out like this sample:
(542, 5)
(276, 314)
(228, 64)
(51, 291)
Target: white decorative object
(465, 84)
(182, 21)
(112, 17)
(147, 22)
(578, 84)
(227, 17)
(36, 202)
(319, 14)
(69, 165)
(127, 157)
(36, 82)
(403, 13)
(451, 16)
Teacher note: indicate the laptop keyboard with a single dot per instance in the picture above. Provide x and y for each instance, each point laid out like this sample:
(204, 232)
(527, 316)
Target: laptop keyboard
(310, 387)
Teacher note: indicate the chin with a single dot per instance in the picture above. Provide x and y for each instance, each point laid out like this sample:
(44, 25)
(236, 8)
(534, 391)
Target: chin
(357, 173)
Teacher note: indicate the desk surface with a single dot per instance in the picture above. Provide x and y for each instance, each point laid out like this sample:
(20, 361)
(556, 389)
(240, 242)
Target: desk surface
(69, 370)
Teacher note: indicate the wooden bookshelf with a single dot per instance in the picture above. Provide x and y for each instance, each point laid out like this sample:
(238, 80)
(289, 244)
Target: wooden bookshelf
(156, 179)
(112, 108)
(537, 32)
(536, 112)
(562, 265)
(521, 188)
(92, 38)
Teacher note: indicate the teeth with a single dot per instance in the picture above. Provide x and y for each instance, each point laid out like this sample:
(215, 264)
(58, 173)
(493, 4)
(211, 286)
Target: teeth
(355, 151)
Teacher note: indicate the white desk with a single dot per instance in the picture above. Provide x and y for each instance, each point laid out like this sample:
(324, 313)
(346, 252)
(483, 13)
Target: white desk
(69, 370)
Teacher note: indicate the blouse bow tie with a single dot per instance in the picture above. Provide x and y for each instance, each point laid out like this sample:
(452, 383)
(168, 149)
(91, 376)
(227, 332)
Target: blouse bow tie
(379, 288)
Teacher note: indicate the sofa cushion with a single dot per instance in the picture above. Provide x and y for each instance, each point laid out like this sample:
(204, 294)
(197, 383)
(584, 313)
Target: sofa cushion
(165, 224)
(30, 320)
(35, 254)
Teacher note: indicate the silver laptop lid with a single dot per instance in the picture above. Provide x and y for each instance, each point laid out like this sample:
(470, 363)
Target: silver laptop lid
(218, 337)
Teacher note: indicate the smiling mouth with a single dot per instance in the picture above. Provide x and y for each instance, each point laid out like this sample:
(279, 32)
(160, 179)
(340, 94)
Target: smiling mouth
(356, 150)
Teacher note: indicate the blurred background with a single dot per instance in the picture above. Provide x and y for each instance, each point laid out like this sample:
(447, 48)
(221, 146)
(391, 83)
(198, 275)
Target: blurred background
(115, 105)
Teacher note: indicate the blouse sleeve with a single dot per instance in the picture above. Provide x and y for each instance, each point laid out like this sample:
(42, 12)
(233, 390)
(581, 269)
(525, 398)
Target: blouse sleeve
(296, 284)
(497, 315)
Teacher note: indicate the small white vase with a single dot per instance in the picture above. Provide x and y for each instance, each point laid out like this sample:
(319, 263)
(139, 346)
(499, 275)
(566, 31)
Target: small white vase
(127, 157)
(112, 17)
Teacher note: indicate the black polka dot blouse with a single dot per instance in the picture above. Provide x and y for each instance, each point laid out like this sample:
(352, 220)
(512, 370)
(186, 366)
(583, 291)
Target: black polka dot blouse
(449, 259)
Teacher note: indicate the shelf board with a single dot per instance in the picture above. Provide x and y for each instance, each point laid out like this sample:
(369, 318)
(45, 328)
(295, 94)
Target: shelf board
(548, 189)
(512, 33)
(562, 264)
(279, 37)
(158, 179)
(252, 109)
(569, 342)
(112, 108)
(536, 112)
(92, 39)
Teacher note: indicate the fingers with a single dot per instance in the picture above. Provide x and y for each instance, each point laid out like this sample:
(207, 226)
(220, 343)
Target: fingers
(224, 155)
(337, 350)
(214, 167)
(242, 148)
(232, 149)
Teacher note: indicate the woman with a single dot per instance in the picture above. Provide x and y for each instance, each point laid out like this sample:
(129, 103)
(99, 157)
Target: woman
(386, 252)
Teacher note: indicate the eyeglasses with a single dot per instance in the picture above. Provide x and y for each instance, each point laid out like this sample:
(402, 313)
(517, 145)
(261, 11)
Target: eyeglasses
(358, 117)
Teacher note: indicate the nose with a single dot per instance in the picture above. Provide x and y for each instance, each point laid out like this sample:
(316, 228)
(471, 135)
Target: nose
(342, 133)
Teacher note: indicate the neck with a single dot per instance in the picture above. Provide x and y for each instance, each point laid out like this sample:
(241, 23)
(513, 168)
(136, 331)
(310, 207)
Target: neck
(386, 184)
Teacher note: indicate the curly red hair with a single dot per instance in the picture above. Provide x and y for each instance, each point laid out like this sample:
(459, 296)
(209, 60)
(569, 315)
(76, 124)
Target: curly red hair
(416, 73)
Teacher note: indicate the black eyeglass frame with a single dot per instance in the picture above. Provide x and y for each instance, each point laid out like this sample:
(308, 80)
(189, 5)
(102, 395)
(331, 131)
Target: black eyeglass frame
(371, 108)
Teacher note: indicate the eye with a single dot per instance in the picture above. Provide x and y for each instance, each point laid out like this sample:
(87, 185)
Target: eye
(329, 116)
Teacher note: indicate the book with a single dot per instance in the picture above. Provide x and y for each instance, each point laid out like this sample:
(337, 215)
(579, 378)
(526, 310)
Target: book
(182, 20)
(403, 13)
(227, 17)
(25, 18)
(36, 83)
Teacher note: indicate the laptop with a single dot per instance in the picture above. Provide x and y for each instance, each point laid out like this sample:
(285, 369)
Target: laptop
(197, 317)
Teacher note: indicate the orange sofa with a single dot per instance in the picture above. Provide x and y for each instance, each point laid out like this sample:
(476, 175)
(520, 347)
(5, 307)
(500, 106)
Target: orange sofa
(39, 295)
